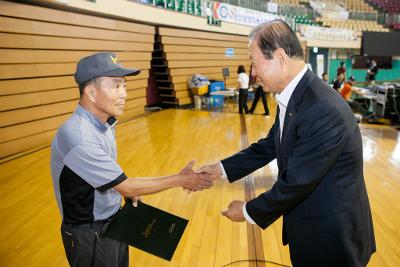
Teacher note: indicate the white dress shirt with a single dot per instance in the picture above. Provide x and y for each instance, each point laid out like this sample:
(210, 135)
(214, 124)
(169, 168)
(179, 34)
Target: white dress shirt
(283, 100)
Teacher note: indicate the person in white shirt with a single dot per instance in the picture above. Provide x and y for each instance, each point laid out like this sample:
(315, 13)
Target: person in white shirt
(243, 80)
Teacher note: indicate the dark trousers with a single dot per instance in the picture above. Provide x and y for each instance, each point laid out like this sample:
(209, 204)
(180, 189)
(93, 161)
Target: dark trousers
(86, 247)
(243, 93)
(357, 107)
(260, 93)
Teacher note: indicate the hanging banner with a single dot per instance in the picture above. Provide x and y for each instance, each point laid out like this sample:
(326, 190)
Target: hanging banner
(323, 33)
(239, 15)
(272, 7)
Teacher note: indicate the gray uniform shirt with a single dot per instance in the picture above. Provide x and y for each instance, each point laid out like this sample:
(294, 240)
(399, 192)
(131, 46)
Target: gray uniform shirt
(84, 168)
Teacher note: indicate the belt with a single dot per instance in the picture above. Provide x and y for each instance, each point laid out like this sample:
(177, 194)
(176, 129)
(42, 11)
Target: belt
(91, 224)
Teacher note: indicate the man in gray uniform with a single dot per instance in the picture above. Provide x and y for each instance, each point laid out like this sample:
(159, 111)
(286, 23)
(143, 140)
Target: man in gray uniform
(88, 182)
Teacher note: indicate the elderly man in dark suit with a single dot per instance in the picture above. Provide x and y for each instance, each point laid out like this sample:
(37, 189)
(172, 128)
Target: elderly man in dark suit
(320, 190)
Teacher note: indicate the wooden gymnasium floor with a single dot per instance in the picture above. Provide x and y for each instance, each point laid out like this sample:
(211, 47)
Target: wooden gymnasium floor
(161, 144)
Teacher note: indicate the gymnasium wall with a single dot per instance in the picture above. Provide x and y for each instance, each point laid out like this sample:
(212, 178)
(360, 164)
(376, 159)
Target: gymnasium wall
(39, 49)
(149, 14)
(184, 53)
(360, 74)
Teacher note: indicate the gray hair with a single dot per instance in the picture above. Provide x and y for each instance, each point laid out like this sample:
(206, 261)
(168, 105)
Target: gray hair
(96, 81)
(277, 34)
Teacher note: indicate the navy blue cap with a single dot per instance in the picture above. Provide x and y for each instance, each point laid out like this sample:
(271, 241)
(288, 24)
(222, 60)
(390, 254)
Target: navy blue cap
(104, 64)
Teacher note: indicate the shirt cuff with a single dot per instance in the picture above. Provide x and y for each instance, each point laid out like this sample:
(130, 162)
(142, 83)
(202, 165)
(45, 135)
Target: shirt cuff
(246, 215)
(223, 171)
(113, 183)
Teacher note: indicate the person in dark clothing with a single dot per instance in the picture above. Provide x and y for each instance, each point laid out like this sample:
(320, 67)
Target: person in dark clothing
(341, 70)
(337, 84)
(320, 190)
(371, 73)
(259, 93)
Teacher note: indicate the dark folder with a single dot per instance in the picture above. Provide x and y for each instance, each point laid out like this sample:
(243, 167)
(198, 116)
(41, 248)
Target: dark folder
(147, 228)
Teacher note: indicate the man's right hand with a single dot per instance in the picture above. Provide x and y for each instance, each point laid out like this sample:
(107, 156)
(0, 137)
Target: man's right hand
(193, 181)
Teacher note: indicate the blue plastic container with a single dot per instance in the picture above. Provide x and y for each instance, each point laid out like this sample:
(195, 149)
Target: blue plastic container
(216, 86)
(216, 101)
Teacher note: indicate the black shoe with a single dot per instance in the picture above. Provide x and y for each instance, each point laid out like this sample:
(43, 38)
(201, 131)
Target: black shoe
(266, 114)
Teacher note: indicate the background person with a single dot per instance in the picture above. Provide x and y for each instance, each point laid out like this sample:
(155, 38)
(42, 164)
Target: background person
(341, 70)
(371, 73)
(259, 93)
(337, 84)
(243, 80)
(325, 77)
(346, 93)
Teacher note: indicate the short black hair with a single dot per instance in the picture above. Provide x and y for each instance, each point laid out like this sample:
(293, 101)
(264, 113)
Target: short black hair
(277, 34)
(323, 74)
(341, 63)
(96, 81)
(241, 69)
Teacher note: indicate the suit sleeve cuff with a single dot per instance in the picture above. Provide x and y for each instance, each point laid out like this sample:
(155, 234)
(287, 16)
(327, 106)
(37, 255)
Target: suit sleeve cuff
(223, 171)
(247, 216)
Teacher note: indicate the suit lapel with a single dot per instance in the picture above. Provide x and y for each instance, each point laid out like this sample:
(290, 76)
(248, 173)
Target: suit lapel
(289, 117)
(301, 88)
(277, 132)
(294, 101)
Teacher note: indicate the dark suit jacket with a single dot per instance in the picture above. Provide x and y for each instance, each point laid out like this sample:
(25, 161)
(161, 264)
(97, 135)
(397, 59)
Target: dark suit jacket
(320, 190)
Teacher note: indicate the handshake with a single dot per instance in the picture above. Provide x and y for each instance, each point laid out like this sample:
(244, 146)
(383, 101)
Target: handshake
(189, 179)
(202, 178)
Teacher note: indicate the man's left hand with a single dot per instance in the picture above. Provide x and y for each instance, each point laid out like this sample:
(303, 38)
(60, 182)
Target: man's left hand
(235, 211)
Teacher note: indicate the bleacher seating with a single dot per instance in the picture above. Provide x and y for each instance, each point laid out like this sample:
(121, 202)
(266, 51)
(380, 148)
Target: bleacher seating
(358, 6)
(354, 5)
(295, 21)
(179, 54)
(287, 2)
(387, 6)
(352, 24)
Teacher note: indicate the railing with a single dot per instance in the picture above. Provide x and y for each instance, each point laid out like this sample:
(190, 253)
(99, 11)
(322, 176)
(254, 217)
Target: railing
(392, 18)
(193, 7)
(202, 8)
(363, 16)
(322, 33)
(260, 5)
(198, 7)
(290, 10)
